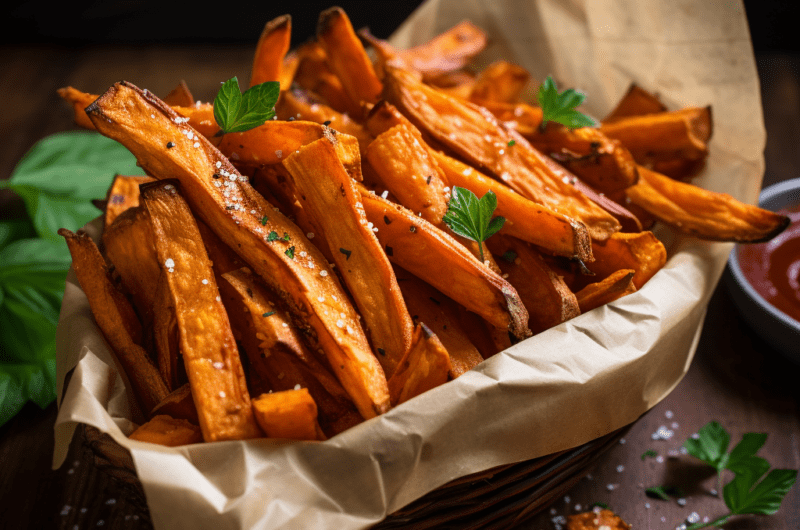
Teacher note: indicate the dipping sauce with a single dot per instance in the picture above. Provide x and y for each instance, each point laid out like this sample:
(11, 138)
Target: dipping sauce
(773, 268)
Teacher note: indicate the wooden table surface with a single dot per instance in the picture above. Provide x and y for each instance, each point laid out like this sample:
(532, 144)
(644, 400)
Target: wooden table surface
(736, 378)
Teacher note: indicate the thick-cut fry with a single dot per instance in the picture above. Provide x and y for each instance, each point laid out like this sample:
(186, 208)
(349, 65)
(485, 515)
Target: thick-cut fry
(334, 205)
(116, 319)
(475, 135)
(165, 333)
(409, 171)
(525, 219)
(642, 253)
(179, 404)
(128, 243)
(123, 194)
(314, 75)
(446, 52)
(607, 290)
(702, 213)
(599, 161)
(432, 255)
(124, 113)
(501, 81)
(347, 57)
(291, 414)
(635, 102)
(180, 96)
(425, 366)
(547, 298)
(441, 315)
(270, 51)
(165, 430)
(297, 103)
(206, 342)
(79, 101)
(276, 352)
(670, 139)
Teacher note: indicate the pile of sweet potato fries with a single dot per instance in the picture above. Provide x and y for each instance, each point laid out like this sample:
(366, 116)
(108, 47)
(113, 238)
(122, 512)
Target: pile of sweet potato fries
(306, 261)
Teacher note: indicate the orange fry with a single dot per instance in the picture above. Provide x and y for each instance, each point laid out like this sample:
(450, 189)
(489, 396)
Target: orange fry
(270, 51)
(607, 290)
(290, 414)
(164, 430)
(425, 366)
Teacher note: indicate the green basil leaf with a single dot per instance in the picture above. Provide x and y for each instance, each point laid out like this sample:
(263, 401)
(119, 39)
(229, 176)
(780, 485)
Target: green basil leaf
(560, 108)
(237, 112)
(227, 103)
(765, 498)
(711, 445)
(15, 229)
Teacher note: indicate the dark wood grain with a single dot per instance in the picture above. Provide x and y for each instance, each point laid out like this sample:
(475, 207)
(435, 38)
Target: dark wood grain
(736, 378)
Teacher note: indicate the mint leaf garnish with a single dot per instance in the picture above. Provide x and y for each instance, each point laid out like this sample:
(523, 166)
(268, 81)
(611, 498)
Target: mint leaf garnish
(237, 112)
(471, 217)
(560, 108)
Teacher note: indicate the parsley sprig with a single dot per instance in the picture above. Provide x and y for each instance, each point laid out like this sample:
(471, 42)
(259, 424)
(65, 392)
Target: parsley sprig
(560, 108)
(471, 217)
(744, 494)
(237, 112)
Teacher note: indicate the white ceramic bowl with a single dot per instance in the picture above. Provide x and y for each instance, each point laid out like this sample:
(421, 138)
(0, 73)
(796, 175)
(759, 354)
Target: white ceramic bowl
(777, 328)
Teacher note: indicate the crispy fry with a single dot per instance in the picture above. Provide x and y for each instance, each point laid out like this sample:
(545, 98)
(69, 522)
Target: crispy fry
(206, 342)
(501, 81)
(123, 194)
(180, 96)
(635, 102)
(277, 354)
(616, 285)
(409, 171)
(525, 219)
(79, 101)
(441, 314)
(640, 252)
(333, 203)
(119, 113)
(425, 366)
(164, 430)
(423, 250)
(314, 75)
(179, 404)
(701, 213)
(347, 57)
(448, 51)
(476, 136)
(116, 319)
(165, 333)
(270, 51)
(544, 293)
(290, 414)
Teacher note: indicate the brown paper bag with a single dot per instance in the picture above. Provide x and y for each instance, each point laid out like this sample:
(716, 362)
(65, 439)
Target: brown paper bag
(560, 389)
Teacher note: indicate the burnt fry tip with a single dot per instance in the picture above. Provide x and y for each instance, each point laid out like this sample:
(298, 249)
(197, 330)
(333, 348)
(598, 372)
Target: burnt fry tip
(328, 18)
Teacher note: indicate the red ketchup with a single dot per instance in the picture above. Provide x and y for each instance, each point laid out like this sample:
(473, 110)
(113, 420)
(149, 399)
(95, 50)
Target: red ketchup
(773, 268)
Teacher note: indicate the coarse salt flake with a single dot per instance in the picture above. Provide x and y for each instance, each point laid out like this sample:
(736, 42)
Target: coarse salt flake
(340, 323)
(221, 394)
(170, 263)
(205, 281)
(297, 386)
(321, 298)
(323, 273)
(219, 365)
(279, 153)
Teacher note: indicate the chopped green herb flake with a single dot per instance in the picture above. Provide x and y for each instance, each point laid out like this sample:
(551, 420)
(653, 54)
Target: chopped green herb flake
(290, 252)
(264, 220)
(649, 453)
(509, 256)
(345, 252)
(272, 236)
(382, 351)
(512, 143)
(268, 314)
(286, 237)
(600, 505)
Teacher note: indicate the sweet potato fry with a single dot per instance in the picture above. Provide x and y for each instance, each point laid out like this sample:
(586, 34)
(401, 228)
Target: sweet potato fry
(544, 293)
(297, 103)
(123, 194)
(615, 286)
(179, 404)
(180, 96)
(635, 102)
(164, 430)
(277, 354)
(165, 334)
(641, 252)
(501, 81)
(525, 219)
(423, 250)
(314, 74)
(124, 113)
(270, 51)
(79, 101)
(206, 342)
(425, 366)
(441, 315)
(116, 319)
(701, 213)
(347, 57)
(334, 205)
(291, 414)
(446, 52)
(476, 136)
(409, 171)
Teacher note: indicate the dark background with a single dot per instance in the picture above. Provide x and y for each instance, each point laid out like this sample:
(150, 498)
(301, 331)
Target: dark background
(773, 23)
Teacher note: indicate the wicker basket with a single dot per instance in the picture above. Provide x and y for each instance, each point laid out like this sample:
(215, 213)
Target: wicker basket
(500, 497)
